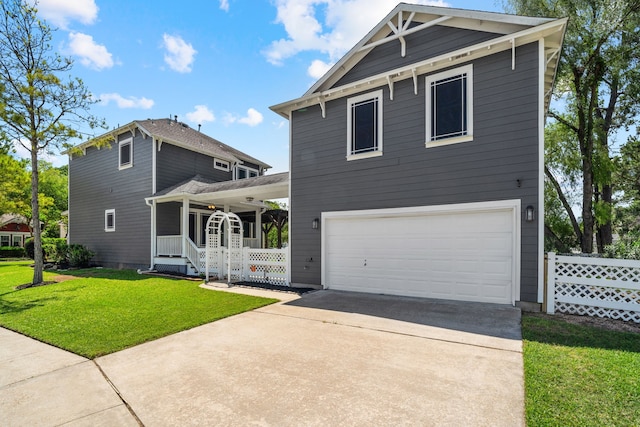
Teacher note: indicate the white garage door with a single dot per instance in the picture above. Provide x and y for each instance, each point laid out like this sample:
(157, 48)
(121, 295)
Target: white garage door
(463, 252)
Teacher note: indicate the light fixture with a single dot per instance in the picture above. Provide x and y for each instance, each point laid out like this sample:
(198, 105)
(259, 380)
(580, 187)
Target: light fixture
(529, 214)
(315, 223)
(212, 206)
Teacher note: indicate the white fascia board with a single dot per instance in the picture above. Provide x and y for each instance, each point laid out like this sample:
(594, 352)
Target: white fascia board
(129, 127)
(430, 65)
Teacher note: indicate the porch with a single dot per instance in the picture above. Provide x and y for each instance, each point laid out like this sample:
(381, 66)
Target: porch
(179, 234)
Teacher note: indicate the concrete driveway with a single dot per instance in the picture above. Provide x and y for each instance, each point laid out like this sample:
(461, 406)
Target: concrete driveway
(328, 358)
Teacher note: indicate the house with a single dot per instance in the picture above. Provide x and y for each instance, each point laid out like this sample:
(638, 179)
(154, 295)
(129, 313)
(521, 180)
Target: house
(417, 159)
(14, 230)
(144, 202)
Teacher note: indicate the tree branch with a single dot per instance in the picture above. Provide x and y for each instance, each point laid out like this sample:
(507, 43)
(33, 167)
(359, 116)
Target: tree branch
(565, 203)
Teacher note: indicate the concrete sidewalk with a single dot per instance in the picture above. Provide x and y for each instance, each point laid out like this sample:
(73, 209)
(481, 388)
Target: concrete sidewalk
(328, 358)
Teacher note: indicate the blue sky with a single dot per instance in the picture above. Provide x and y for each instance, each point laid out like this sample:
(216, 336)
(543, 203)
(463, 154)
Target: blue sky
(218, 63)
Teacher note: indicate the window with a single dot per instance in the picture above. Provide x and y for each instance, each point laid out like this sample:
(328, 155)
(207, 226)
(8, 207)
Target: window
(364, 126)
(243, 172)
(17, 240)
(125, 156)
(110, 220)
(450, 107)
(222, 165)
(4, 240)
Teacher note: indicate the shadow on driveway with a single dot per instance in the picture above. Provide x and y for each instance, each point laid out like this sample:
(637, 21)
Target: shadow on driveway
(500, 321)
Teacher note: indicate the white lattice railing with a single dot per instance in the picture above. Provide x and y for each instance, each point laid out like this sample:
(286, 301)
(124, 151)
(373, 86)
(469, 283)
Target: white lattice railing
(266, 266)
(600, 287)
(169, 245)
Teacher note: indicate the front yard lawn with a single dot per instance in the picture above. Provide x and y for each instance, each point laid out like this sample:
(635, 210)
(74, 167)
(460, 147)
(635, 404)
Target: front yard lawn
(579, 375)
(95, 312)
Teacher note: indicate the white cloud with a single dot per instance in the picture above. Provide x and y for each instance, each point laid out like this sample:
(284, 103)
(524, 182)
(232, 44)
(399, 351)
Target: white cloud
(224, 5)
(179, 55)
(61, 12)
(318, 68)
(253, 118)
(344, 23)
(200, 115)
(122, 102)
(91, 54)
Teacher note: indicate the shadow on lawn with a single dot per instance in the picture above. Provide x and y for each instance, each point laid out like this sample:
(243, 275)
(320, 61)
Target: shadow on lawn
(548, 330)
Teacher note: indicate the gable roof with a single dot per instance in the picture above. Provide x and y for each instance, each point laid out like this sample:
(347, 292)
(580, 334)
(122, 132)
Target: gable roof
(510, 31)
(9, 218)
(182, 135)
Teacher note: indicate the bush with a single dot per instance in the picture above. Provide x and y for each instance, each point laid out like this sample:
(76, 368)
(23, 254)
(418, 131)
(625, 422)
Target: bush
(623, 250)
(28, 247)
(79, 256)
(11, 252)
(55, 249)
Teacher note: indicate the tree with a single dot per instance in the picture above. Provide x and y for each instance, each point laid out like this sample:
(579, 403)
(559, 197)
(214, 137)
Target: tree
(598, 84)
(38, 109)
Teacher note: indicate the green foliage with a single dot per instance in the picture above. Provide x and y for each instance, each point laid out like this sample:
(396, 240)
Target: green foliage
(29, 247)
(623, 250)
(79, 256)
(11, 252)
(14, 184)
(101, 311)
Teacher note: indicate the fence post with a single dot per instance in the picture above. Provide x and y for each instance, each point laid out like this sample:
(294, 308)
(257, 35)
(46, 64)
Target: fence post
(551, 283)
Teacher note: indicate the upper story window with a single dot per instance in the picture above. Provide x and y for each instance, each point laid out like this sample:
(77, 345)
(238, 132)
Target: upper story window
(242, 172)
(222, 165)
(125, 153)
(110, 220)
(364, 126)
(450, 106)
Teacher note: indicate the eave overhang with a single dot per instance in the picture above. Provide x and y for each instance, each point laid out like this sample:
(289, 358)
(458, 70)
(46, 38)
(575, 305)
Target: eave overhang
(551, 30)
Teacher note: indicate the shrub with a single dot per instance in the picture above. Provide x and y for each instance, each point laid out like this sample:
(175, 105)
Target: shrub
(55, 249)
(11, 252)
(28, 247)
(79, 256)
(623, 250)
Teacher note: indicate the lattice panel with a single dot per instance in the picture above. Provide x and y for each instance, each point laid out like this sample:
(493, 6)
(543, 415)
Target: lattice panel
(585, 310)
(258, 257)
(598, 293)
(272, 274)
(605, 272)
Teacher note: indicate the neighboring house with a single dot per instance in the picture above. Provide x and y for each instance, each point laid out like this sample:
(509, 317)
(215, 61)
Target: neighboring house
(144, 202)
(417, 160)
(14, 230)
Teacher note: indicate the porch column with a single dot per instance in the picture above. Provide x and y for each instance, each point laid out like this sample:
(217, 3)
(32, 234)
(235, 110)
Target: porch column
(154, 233)
(259, 227)
(185, 225)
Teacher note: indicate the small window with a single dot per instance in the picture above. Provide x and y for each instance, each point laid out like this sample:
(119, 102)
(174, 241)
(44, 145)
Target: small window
(364, 126)
(222, 165)
(245, 172)
(4, 240)
(17, 240)
(110, 220)
(450, 107)
(125, 155)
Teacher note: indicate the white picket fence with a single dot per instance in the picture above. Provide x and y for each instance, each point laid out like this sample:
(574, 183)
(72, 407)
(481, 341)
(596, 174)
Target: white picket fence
(600, 287)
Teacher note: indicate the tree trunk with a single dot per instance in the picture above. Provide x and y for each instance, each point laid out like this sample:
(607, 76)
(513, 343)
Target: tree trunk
(35, 219)
(586, 242)
(605, 231)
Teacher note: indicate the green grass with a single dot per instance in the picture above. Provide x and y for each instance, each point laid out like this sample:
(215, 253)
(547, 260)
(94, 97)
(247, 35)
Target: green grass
(580, 375)
(101, 311)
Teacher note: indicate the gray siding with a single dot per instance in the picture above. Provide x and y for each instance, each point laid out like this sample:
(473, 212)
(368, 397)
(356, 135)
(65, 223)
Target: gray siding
(504, 150)
(420, 46)
(95, 185)
(175, 164)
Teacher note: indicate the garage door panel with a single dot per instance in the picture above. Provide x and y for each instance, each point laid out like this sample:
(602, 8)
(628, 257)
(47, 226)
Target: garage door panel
(466, 255)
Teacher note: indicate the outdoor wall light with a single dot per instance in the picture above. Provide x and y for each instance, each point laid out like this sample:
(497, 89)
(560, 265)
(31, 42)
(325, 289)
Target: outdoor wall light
(529, 214)
(315, 223)
(212, 207)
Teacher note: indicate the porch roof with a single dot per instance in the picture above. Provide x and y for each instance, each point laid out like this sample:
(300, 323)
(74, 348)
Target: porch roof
(238, 193)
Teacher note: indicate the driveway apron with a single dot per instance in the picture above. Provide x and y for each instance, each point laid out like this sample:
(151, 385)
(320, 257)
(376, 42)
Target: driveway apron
(332, 358)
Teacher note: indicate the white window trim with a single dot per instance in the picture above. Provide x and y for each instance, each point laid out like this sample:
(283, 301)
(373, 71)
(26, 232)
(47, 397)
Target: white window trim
(247, 169)
(120, 144)
(226, 167)
(108, 212)
(468, 70)
(354, 100)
